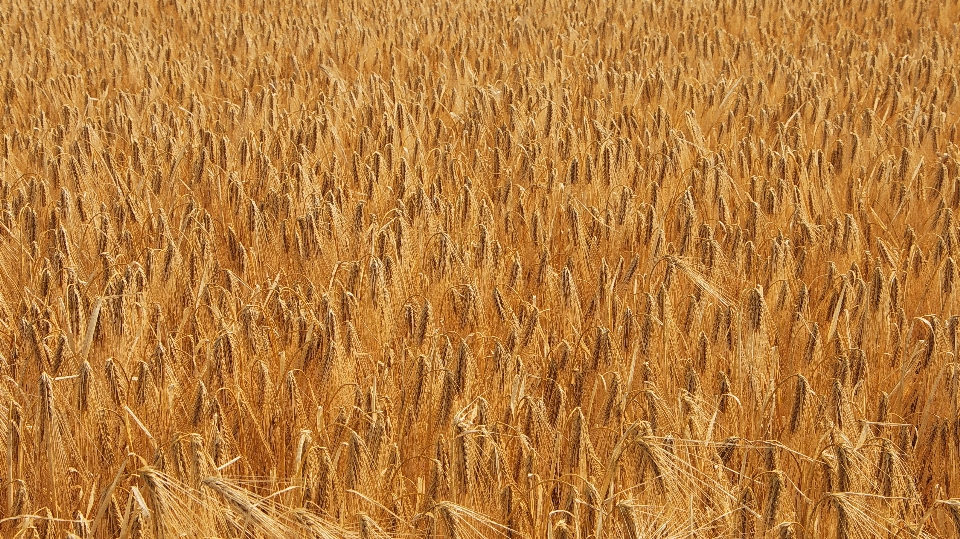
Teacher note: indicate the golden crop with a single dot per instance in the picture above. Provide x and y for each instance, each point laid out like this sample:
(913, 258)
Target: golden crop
(515, 269)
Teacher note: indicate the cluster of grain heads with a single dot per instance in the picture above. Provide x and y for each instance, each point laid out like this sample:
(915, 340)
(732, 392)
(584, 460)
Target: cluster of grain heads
(463, 271)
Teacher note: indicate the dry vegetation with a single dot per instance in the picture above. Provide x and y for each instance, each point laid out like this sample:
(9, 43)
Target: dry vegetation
(480, 269)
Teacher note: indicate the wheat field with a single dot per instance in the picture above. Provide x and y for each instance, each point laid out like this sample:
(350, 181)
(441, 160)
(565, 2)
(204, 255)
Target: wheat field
(499, 269)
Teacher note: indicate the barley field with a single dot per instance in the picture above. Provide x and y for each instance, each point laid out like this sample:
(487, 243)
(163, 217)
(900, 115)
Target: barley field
(488, 269)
